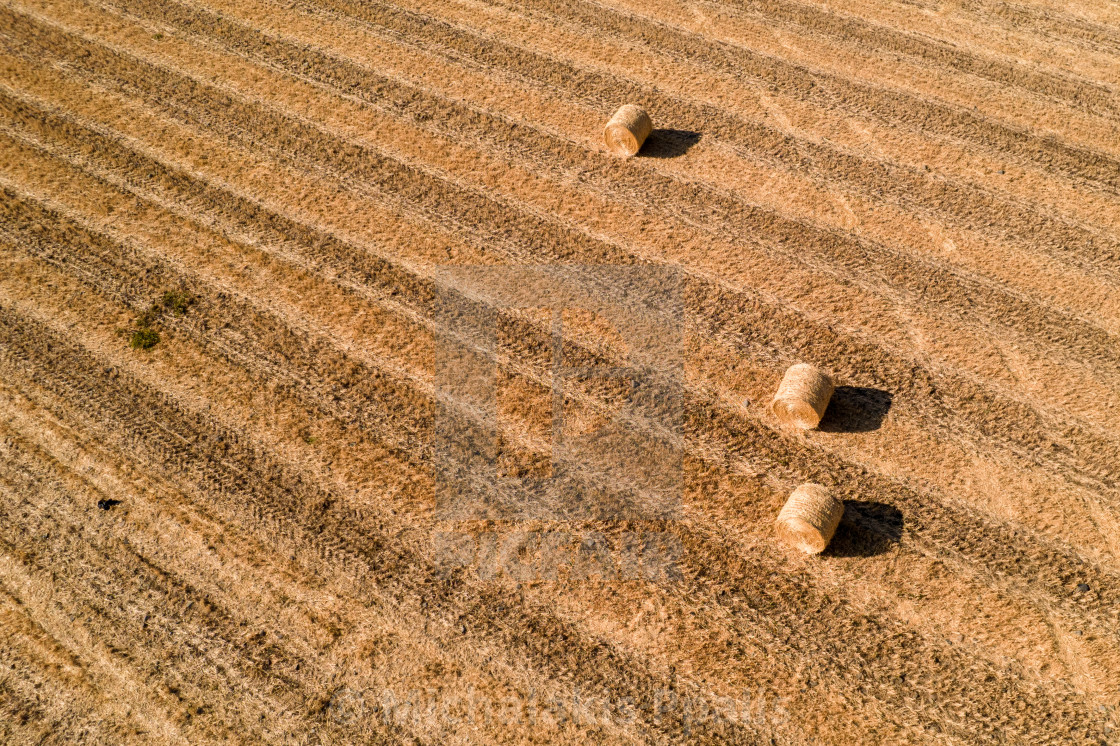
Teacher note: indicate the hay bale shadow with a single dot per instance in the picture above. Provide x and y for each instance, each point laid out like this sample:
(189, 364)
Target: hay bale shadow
(856, 409)
(867, 529)
(668, 143)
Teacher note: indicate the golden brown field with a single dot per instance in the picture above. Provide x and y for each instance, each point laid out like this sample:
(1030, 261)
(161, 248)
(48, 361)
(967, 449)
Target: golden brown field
(243, 534)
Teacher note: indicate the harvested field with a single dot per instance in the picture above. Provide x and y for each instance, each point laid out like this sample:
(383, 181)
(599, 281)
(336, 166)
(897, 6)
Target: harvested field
(352, 392)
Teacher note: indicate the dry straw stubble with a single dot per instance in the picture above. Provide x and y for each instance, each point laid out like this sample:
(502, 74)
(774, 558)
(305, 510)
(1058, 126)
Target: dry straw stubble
(627, 130)
(809, 518)
(802, 396)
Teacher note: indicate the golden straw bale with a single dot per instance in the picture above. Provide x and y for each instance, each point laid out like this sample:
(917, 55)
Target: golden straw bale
(809, 518)
(802, 396)
(627, 130)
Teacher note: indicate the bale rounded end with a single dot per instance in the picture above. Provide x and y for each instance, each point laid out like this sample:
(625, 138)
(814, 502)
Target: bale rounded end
(802, 536)
(809, 518)
(802, 396)
(620, 140)
(796, 412)
(627, 130)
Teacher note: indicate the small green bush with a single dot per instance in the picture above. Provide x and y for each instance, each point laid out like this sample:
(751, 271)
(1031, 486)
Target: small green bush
(144, 336)
(143, 339)
(177, 301)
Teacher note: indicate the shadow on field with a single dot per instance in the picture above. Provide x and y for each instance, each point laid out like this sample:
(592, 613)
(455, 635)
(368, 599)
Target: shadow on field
(668, 143)
(856, 409)
(867, 529)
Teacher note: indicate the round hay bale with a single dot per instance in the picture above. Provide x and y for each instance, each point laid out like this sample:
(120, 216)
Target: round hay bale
(809, 518)
(802, 396)
(627, 130)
